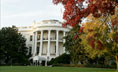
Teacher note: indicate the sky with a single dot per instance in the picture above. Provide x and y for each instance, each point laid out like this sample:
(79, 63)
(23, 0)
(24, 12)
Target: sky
(25, 12)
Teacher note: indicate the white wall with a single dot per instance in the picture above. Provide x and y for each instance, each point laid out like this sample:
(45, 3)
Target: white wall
(45, 34)
(60, 48)
(53, 35)
(60, 35)
(52, 47)
(45, 46)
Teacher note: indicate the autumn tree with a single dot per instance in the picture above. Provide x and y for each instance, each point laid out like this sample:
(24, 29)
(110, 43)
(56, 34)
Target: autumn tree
(75, 10)
(100, 36)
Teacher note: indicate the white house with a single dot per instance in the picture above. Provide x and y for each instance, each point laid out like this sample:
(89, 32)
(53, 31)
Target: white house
(44, 39)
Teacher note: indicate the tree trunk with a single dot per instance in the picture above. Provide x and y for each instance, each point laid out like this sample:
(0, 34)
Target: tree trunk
(117, 62)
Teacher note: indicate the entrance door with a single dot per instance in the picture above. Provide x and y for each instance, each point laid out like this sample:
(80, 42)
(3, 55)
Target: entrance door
(43, 63)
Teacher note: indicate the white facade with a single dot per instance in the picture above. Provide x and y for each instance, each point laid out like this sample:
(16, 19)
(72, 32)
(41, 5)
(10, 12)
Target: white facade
(45, 39)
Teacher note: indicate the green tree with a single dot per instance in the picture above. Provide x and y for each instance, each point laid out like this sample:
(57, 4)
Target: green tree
(73, 46)
(12, 47)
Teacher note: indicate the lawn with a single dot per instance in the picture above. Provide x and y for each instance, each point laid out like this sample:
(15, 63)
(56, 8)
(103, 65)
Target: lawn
(51, 69)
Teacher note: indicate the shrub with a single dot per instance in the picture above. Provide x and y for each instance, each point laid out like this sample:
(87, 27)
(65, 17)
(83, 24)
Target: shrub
(62, 59)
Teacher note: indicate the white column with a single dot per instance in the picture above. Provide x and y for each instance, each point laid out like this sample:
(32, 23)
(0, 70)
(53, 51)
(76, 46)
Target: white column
(45, 62)
(64, 34)
(41, 43)
(48, 53)
(35, 43)
(57, 43)
(33, 47)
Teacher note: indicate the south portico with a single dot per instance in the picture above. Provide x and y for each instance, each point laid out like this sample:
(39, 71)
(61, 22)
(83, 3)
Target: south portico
(48, 47)
(44, 40)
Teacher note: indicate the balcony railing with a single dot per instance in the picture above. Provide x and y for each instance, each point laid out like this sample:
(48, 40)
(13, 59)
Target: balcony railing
(45, 38)
(52, 38)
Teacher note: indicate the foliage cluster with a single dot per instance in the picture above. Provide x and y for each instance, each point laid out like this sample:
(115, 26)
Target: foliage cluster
(13, 50)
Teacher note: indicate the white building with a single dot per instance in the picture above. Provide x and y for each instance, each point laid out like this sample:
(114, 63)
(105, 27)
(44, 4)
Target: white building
(45, 39)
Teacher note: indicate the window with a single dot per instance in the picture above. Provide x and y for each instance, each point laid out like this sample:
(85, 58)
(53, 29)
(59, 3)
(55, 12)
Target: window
(38, 37)
(30, 49)
(55, 49)
(30, 37)
(37, 50)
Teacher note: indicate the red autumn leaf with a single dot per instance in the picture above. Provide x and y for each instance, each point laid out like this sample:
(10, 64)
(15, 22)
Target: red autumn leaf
(100, 45)
(81, 30)
(75, 37)
(74, 10)
(92, 43)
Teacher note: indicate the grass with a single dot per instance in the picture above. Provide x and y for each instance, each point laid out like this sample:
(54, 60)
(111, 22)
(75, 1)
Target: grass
(51, 69)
